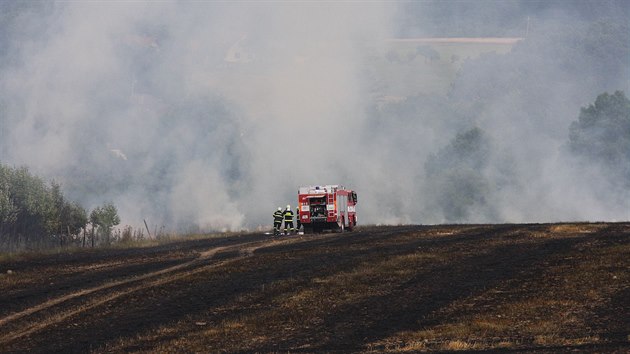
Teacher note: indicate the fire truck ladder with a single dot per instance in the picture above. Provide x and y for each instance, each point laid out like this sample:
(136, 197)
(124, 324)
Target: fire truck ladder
(330, 200)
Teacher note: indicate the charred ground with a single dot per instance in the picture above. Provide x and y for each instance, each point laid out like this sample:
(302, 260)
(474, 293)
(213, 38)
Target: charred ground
(533, 287)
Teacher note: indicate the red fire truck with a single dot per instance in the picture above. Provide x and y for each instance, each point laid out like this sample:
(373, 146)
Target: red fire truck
(329, 207)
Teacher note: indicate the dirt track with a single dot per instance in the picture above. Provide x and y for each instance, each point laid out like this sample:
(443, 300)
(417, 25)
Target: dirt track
(545, 288)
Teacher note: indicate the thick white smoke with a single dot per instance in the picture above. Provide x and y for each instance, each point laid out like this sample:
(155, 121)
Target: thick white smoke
(189, 114)
(209, 115)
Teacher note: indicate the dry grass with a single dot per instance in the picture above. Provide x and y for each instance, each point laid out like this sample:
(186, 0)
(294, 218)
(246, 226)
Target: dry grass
(458, 345)
(575, 228)
(9, 280)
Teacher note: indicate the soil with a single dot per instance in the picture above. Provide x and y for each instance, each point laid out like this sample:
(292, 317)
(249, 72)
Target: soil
(515, 287)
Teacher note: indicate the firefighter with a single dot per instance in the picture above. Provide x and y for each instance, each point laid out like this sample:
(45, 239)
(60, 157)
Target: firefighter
(288, 220)
(298, 222)
(277, 221)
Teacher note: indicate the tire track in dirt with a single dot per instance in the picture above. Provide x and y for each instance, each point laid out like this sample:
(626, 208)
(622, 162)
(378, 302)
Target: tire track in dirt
(164, 276)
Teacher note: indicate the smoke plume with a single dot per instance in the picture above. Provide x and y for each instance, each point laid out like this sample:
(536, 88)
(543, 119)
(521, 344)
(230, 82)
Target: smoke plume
(209, 115)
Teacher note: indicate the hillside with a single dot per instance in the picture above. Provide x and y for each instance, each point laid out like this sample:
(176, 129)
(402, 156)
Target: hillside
(533, 287)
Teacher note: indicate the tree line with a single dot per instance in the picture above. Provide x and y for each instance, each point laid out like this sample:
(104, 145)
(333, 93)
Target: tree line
(36, 215)
(599, 138)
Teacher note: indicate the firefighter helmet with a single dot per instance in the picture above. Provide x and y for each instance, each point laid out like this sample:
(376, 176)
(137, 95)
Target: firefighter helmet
(288, 207)
(279, 209)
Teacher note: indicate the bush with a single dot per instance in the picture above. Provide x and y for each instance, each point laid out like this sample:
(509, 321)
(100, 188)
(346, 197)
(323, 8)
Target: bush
(34, 214)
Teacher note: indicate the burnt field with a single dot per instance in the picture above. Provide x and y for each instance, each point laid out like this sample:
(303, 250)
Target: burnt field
(533, 287)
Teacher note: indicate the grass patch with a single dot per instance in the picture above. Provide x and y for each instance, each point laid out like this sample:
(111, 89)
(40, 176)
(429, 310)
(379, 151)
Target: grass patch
(164, 239)
(458, 345)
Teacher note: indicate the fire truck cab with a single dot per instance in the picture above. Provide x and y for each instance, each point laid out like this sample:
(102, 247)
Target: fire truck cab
(329, 207)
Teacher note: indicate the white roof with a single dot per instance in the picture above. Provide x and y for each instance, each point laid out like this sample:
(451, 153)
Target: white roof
(329, 188)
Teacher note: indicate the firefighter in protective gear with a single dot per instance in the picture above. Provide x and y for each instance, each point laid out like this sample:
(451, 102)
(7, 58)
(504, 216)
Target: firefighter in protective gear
(288, 220)
(298, 222)
(278, 215)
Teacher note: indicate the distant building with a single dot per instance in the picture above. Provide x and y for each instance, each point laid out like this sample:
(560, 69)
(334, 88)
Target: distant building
(239, 52)
(411, 66)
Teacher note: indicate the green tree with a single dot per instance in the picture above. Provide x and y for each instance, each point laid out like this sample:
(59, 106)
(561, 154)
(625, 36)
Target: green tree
(8, 210)
(25, 202)
(469, 149)
(456, 179)
(66, 219)
(54, 207)
(74, 217)
(34, 214)
(104, 218)
(30, 195)
(602, 131)
(600, 142)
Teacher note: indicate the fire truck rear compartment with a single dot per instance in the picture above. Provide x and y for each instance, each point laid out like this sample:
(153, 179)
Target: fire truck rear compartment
(318, 209)
(329, 207)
